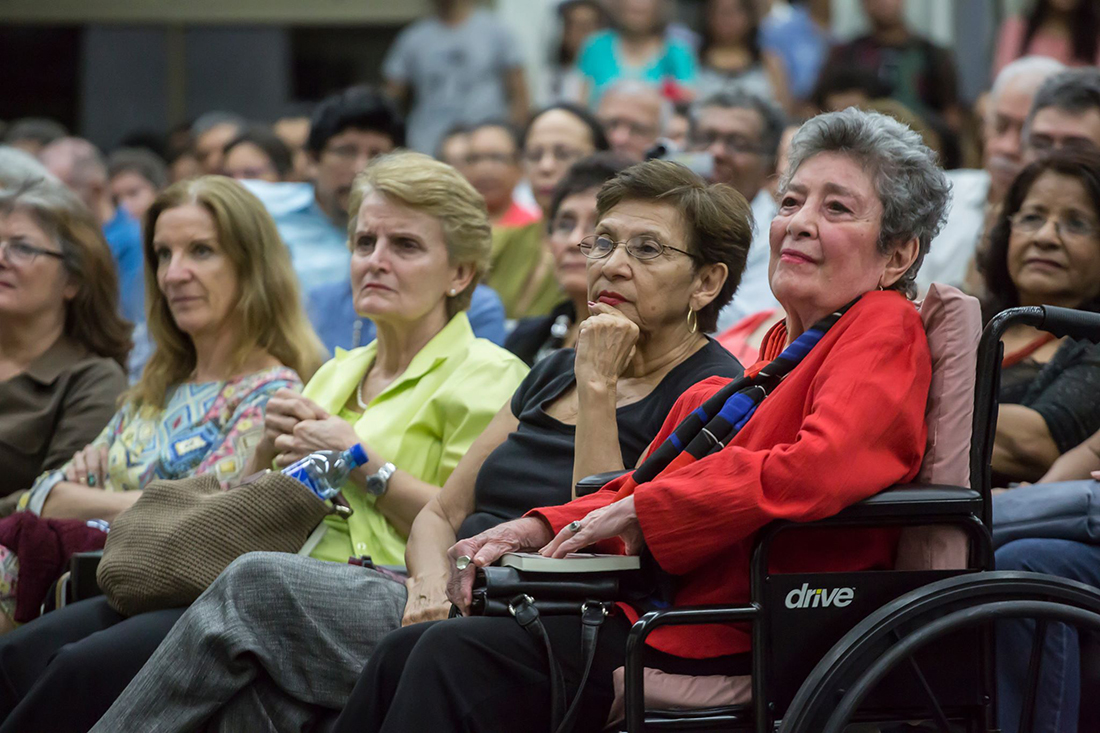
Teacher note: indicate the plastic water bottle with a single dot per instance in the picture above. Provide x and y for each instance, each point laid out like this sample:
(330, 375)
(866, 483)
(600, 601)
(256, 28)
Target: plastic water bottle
(325, 471)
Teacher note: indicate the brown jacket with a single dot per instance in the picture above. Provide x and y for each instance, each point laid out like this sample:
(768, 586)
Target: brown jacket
(53, 409)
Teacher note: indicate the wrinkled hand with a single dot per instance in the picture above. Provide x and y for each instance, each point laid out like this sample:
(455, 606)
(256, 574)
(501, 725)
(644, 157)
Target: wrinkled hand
(614, 520)
(308, 436)
(427, 601)
(606, 343)
(284, 411)
(486, 548)
(88, 466)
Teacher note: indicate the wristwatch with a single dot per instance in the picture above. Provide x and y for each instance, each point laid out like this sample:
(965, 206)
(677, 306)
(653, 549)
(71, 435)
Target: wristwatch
(378, 482)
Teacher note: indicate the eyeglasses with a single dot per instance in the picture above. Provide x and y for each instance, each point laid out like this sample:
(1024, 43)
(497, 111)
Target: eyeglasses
(1074, 226)
(348, 153)
(21, 254)
(640, 248)
(496, 158)
(1043, 144)
(636, 129)
(559, 153)
(733, 143)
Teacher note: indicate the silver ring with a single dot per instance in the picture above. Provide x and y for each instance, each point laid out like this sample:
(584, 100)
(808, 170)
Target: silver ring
(463, 562)
(574, 526)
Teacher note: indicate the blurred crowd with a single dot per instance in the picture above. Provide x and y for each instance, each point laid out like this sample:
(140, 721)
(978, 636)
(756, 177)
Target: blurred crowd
(165, 320)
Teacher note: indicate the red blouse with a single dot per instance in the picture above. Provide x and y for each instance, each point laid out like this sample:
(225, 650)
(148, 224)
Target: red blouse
(846, 423)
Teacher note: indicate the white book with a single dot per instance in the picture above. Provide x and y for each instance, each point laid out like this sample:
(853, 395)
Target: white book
(576, 562)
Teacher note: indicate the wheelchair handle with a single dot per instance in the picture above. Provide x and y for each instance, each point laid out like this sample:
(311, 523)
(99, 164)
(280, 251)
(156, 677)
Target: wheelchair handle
(1068, 322)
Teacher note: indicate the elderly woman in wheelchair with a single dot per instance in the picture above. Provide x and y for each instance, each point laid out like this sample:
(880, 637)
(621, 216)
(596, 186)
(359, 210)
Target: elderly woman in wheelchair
(833, 413)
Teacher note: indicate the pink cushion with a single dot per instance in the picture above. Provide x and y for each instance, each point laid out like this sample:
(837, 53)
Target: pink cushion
(665, 691)
(953, 324)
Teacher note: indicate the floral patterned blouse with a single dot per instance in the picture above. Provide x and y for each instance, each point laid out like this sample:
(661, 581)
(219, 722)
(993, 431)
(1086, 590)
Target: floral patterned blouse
(205, 427)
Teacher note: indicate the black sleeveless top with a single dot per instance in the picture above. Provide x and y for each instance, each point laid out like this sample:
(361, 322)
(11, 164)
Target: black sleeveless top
(533, 467)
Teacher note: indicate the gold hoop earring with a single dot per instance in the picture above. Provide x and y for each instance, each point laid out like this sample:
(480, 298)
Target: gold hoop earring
(693, 320)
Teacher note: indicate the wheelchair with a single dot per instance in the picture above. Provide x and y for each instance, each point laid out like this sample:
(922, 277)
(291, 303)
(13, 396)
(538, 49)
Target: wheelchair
(885, 648)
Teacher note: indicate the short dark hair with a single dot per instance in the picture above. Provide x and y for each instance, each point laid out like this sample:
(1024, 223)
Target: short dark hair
(591, 171)
(739, 97)
(599, 139)
(361, 108)
(1072, 90)
(839, 78)
(718, 219)
(1000, 290)
(266, 140)
(562, 56)
(145, 163)
(499, 123)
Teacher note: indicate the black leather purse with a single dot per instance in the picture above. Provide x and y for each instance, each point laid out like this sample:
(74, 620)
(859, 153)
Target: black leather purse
(496, 588)
(526, 595)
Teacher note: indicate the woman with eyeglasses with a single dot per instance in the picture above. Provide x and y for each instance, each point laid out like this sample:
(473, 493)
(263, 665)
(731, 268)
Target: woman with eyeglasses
(1044, 249)
(571, 218)
(667, 255)
(63, 346)
(522, 268)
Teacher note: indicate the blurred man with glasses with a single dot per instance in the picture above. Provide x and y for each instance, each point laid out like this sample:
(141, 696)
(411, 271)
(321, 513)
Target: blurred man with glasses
(1065, 114)
(633, 115)
(491, 164)
(741, 131)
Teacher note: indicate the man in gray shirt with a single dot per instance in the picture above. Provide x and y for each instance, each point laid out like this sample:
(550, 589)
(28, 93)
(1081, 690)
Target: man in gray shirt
(460, 66)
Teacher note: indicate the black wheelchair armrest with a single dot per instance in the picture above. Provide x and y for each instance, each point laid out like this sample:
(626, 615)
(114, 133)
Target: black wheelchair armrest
(595, 482)
(912, 501)
(82, 572)
(634, 663)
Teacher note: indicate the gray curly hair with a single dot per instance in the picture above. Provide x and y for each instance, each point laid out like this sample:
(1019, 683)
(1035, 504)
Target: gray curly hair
(908, 180)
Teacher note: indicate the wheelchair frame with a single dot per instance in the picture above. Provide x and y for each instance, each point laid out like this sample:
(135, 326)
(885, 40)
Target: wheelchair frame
(1005, 594)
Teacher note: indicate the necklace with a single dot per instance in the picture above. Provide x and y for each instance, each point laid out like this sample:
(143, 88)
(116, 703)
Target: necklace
(359, 394)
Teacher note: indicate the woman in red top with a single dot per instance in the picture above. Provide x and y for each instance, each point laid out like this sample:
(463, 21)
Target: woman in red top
(858, 209)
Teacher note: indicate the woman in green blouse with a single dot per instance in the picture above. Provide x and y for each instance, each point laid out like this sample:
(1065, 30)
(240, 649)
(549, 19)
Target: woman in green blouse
(418, 395)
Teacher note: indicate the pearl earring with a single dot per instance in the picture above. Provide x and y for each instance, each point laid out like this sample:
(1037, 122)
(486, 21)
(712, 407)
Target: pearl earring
(453, 292)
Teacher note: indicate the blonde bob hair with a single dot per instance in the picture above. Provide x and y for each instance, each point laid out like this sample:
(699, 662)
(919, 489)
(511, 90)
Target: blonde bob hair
(268, 312)
(438, 190)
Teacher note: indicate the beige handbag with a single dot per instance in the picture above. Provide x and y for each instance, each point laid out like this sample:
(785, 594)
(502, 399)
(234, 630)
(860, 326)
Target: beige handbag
(167, 549)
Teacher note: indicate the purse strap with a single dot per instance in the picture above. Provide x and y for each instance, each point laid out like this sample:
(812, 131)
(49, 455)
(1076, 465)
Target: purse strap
(593, 613)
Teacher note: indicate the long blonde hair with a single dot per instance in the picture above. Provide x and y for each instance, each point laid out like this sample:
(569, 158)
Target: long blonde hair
(268, 311)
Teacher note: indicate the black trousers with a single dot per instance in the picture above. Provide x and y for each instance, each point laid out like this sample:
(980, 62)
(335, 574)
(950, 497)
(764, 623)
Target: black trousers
(480, 674)
(62, 671)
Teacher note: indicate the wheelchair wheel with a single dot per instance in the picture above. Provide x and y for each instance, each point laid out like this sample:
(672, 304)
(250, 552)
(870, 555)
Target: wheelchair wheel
(831, 695)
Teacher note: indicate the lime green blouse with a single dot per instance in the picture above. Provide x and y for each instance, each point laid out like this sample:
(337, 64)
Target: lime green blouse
(423, 423)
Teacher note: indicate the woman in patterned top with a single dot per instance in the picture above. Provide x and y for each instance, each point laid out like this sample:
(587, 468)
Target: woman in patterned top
(224, 313)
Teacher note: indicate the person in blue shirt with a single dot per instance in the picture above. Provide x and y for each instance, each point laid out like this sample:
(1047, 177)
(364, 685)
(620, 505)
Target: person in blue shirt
(331, 310)
(347, 130)
(637, 48)
(80, 165)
